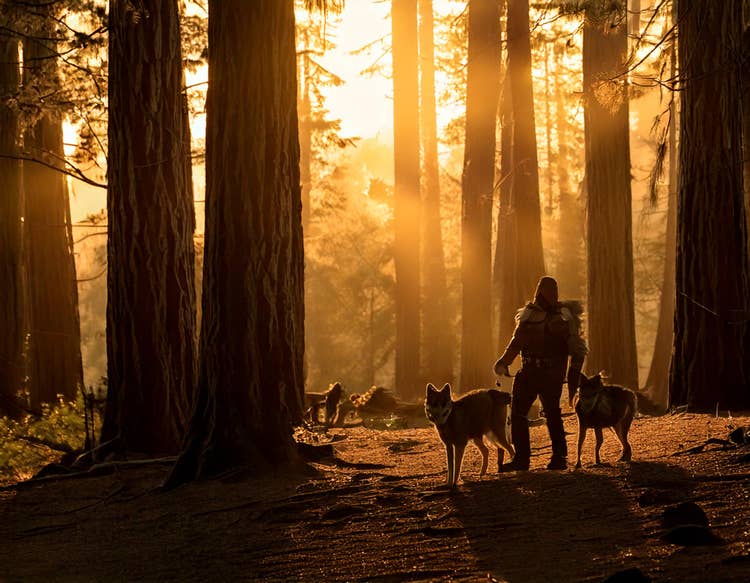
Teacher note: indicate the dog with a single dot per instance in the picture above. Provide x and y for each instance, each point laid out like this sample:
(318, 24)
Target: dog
(598, 406)
(480, 413)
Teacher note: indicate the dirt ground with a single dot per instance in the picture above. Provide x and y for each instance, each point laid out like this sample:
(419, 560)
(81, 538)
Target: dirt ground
(385, 516)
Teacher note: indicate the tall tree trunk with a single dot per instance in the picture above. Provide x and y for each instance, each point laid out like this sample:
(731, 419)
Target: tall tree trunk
(55, 366)
(657, 382)
(478, 183)
(529, 259)
(709, 364)
(250, 384)
(570, 233)
(505, 249)
(635, 18)
(611, 329)
(746, 107)
(407, 195)
(150, 280)
(11, 236)
(438, 341)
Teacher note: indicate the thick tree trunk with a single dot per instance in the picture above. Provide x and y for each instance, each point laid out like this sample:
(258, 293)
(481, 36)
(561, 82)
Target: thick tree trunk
(746, 107)
(438, 341)
(709, 364)
(570, 228)
(250, 385)
(407, 195)
(478, 182)
(657, 382)
(611, 329)
(150, 283)
(505, 248)
(55, 366)
(529, 259)
(11, 245)
(305, 137)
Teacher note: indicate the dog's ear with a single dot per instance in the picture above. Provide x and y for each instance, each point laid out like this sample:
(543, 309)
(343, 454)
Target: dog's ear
(446, 388)
(431, 388)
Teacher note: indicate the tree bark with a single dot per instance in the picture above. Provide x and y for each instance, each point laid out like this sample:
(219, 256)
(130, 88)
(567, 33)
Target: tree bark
(570, 228)
(709, 364)
(505, 249)
(657, 382)
(438, 341)
(529, 259)
(150, 280)
(55, 366)
(611, 310)
(477, 186)
(407, 196)
(250, 383)
(11, 236)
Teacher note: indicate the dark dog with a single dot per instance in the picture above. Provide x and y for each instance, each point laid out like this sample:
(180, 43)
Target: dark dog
(598, 406)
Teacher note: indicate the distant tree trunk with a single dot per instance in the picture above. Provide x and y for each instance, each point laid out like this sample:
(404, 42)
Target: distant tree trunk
(250, 384)
(150, 283)
(549, 203)
(505, 249)
(55, 366)
(709, 364)
(529, 259)
(438, 340)
(611, 310)
(478, 183)
(11, 273)
(570, 234)
(635, 17)
(407, 195)
(657, 382)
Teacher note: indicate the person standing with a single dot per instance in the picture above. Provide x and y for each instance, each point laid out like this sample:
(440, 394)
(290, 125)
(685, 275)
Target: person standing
(547, 334)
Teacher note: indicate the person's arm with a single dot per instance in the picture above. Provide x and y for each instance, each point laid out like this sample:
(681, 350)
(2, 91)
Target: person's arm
(577, 349)
(511, 351)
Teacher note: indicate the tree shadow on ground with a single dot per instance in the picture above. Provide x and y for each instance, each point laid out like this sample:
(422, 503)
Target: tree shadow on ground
(565, 526)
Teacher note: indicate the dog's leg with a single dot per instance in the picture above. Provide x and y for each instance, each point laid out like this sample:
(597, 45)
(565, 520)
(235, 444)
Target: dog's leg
(449, 457)
(627, 451)
(460, 447)
(581, 439)
(599, 440)
(485, 455)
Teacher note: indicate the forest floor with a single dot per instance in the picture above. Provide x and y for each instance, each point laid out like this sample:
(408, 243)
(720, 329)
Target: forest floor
(394, 520)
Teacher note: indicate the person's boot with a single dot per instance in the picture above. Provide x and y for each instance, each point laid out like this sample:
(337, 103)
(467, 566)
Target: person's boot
(516, 465)
(558, 462)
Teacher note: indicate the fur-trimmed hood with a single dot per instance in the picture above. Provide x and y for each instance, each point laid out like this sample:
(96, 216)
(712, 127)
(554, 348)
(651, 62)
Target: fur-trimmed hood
(570, 310)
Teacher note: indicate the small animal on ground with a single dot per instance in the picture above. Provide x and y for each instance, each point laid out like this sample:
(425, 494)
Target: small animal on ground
(598, 406)
(480, 413)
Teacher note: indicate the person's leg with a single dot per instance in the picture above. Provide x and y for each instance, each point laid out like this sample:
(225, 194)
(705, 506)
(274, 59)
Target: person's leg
(524, 394)
(550, 396)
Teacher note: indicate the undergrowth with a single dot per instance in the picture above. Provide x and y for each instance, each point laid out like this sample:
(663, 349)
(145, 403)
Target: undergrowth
(34, 441)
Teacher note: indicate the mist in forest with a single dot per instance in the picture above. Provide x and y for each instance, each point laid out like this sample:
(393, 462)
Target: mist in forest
(349, 272)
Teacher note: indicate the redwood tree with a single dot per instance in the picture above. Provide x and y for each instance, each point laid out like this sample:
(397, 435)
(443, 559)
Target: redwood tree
(477, 186)
(250, 381)
(11, 290)
(709, 359)
(437, 338)
(527, 263)
(407, 195)
(55, 366)
(150, 286)
(611, 312)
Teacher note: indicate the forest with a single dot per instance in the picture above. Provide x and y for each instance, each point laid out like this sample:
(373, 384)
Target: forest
(243, 243)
